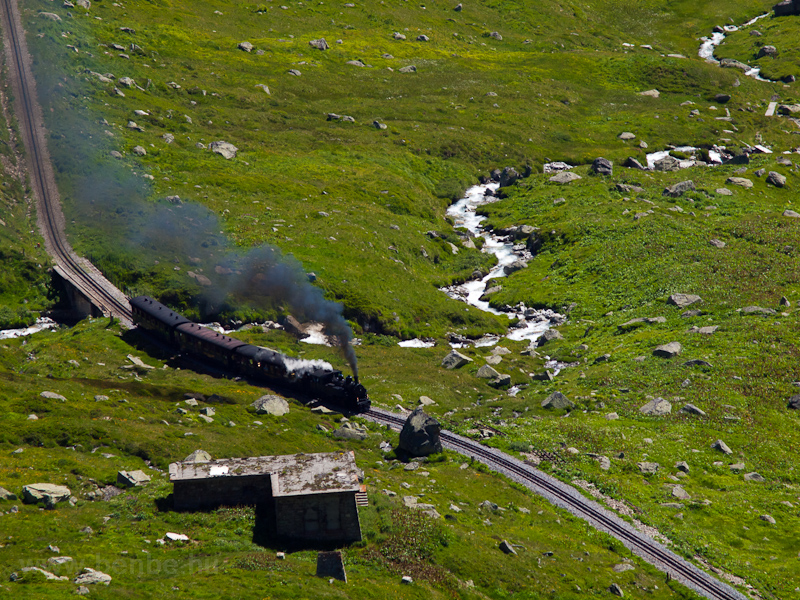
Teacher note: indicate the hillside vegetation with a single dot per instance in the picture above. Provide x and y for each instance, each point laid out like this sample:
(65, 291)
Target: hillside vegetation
(362, 207)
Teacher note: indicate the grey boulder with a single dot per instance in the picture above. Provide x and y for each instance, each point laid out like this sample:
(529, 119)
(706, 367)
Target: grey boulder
(132, 478)
(776, 179)
(89, 576)
(602, 166)
(224, 149)
(683, 300)
(420, 434)
(271, 405)
(557, 401)
(455, 359)
(677, 190)
(669, 350)
(45, 492)
(656, 408)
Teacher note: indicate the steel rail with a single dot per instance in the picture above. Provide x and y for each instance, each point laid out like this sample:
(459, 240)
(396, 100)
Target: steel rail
(568, 498)
(77, 271)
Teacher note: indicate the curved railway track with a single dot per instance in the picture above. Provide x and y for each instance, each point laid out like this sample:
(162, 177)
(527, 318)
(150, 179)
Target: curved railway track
(568, 498)
(78, 272)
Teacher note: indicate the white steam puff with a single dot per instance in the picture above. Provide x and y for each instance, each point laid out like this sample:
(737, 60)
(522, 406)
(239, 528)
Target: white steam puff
(300, 366)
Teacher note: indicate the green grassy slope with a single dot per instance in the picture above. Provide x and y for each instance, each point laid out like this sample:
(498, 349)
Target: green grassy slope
(565, 88)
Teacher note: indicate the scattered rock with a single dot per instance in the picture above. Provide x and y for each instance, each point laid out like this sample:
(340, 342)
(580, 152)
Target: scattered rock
(696, 362)
(682, 466)
(626, 135)
(650, 93)
(683, 300)
(350, 431)
(319, 44)
(794, 402)
(767, 51)
(294, 72)
(246, 46)
(669, 350)
(740, 181)
(264, 87)
(224, 149)
(565, 177)
(50, 16)
(271, 405)
(668, 163)
(509, 176)
(614, 588)
(132, 478)
(648, 468)
(47, 574)
(657, 407)
(45, 492)
(790, 213)
(768, 518)
(139, 151)
(632, 163)
(757, 310)
(754, 477)
(693, 410)
(722, 447)
(622, 567)
(601, 166)
(455, 359)
(680, 493)
(420, 434)
(716, 243)
(487, 372)
(507, 548)
(408, 69)
(557, 401)
(423, 38)
(776, 179)
(89, 576)
(549, 336)
(53, 396)
(6, 495)
(677, 190)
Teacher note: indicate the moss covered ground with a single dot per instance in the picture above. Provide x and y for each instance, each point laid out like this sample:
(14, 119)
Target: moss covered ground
(354, 204)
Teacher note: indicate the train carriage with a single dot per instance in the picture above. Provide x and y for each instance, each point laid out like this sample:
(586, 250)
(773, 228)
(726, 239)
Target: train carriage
(247, 359)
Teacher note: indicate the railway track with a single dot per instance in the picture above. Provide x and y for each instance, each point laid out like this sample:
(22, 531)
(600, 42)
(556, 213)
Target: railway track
(77, 271)
(568, 498)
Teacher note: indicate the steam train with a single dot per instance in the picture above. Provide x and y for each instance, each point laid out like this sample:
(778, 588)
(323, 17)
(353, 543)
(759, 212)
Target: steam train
(246, 359)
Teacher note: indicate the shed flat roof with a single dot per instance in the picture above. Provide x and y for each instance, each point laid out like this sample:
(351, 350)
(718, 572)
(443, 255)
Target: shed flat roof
(291, 474)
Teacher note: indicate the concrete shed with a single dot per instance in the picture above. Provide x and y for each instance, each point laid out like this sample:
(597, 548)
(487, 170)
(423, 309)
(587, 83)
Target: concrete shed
(313, 497)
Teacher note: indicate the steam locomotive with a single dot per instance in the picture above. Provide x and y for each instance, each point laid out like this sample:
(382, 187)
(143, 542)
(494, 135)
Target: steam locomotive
(248, 360)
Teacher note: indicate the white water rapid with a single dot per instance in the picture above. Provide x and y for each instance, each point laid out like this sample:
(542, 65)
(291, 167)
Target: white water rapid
(42, 323)
(706, 50)
(532, 323)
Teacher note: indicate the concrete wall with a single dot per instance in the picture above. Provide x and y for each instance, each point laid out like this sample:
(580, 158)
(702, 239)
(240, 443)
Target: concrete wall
(221, 491)
(321, 517)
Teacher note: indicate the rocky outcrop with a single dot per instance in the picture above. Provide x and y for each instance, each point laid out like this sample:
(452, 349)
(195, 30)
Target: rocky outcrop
(601, 166)
(271, 405)
(420, 434)
(677, 190)
(224, 149)
(787, 8)
(45, 492)
(509, 176)
(132, 478)
(455, 359)
(683, 300)
(670, 350)
(557, 401)
(656, 408)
